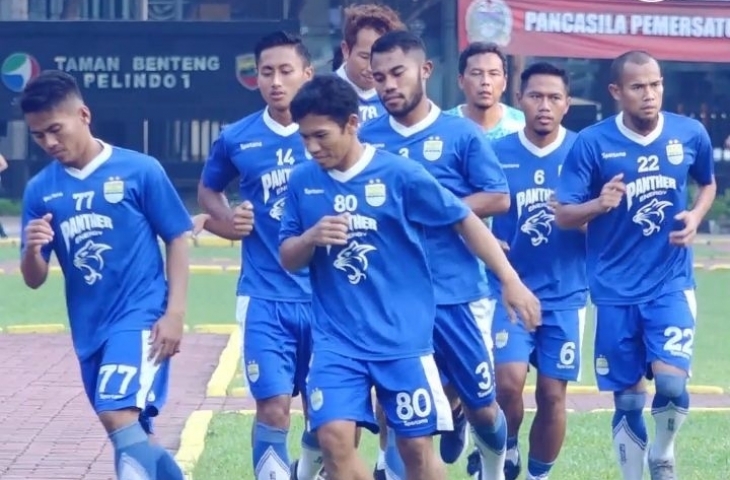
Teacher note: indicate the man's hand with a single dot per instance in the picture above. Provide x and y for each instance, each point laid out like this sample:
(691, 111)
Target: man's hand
(684, 237)
(331, 230)
(612, 193)
(519, 300)
(199, 223)
(166, 337)
(38, 233)
(243, 218)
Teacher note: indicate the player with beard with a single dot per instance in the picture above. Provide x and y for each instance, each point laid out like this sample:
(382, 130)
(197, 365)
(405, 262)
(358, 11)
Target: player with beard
(363, 25)
(483, 79)
(458, 155)
(627, 177)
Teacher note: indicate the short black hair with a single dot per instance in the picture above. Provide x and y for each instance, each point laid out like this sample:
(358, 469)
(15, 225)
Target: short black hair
(479, 48)
(281, 38)
(544, 68)
(638, 57)
(48, 90)
(403, 39)
(328, 96)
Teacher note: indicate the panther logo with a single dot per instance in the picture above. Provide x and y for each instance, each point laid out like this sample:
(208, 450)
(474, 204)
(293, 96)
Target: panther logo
(88, 259)
(651, 216)
(277, 209)
(352, 260)
(538, 227)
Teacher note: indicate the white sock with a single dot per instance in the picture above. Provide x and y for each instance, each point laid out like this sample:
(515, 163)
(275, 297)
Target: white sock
(310, 464)
(542, 477)
(492, 462)
(668, 421)
(381, 460)
(630, 452)
(513, 455)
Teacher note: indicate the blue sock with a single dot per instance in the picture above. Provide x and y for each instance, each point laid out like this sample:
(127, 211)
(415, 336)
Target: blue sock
(270, 456)
(493, 436)
(393, 463)
(135, 455)
(536, 468)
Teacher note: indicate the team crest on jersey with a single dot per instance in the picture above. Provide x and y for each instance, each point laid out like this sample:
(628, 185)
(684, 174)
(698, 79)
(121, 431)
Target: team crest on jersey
(114, 190)
(375, 193)
(353, 261)
(538, 226)
(252, 371)
(651, 216)
(675, 152)
(90, 261)
(277, 209)
(316, 399)
(501, 338)
(433, 148)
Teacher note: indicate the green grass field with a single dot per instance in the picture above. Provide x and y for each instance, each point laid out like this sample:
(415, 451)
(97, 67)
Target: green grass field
(702, 449)
(703, 444)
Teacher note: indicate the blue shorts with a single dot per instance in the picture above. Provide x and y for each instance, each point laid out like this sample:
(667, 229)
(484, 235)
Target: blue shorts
(408, 390)
(277, 344)
(462, 345)
(553, 349)
(630, 338)
(118, 376)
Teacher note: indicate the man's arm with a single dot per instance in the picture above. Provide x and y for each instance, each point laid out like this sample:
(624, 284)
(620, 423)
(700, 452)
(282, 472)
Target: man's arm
(575, 203)
(178, 274)
(218, 172)
(36, 241)
(485, 174)
(3, 163)
(296, 246)
(482, 242)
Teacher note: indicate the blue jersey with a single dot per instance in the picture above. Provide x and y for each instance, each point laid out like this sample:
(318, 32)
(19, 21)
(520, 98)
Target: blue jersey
(512, 121)
(550, 261)
(454, 151)
(262, 153)
(373, 298)
(630, 259)
(370, 105)
(106, 220)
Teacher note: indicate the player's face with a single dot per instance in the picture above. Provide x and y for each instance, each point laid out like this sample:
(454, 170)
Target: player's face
(357, 58)
(400, 79)
(484, 80)
(640, 92)
(281, 72)
(62, 132)
(326, 140)
(545, 102)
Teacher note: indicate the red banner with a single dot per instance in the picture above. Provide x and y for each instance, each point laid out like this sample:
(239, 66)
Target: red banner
(682, 30)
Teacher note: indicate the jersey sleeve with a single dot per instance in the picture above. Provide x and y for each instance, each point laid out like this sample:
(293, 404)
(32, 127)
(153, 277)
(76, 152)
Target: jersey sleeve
(481, 165)
(291, 223)
(218, 170)
(430, 204)
(703, 168)
(161, 204)
(32, 210)
(576, 176)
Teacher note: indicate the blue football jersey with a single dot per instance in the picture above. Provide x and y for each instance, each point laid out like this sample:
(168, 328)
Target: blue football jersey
(106, 220)
(370, 105)
(458, 155)
(373, 298)
(550, 261)
(512, 121)
(261, 153)
(630, 259)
